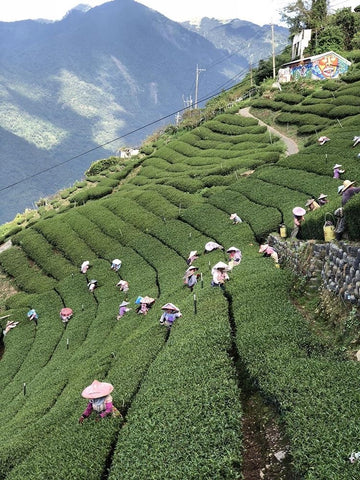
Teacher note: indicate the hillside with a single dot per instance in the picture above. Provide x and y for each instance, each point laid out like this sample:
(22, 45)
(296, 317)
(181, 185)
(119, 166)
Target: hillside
(241, 37)
(183, 392)
(67, 93)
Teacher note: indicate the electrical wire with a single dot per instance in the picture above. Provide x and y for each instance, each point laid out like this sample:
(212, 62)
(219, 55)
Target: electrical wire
(214, 93)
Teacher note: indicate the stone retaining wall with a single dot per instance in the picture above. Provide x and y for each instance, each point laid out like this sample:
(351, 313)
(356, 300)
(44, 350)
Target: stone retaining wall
(333, 265)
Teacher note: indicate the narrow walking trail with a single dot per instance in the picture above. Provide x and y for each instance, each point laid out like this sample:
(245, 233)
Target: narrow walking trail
(291, 145)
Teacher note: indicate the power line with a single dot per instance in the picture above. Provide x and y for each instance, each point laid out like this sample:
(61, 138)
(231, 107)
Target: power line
(40, 172)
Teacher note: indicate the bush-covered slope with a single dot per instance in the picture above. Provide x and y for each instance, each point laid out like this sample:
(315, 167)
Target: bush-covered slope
(179, 391)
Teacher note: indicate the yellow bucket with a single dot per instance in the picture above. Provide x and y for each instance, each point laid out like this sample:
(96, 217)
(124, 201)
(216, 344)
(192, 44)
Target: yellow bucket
(329, 228)
(329, 233)
(283, 233)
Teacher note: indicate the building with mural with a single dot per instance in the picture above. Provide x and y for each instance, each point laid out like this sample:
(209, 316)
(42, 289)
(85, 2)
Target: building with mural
(328, 65)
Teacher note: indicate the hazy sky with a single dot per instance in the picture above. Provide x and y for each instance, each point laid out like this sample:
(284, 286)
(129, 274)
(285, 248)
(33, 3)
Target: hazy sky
(256, 11)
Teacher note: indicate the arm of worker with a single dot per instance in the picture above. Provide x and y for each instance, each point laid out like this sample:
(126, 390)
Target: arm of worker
(108, 407)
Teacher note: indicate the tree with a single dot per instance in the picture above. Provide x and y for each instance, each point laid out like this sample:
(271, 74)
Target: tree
(349, 24)
(318, 14)
(301, 14)
(297, 16)
(330, 38)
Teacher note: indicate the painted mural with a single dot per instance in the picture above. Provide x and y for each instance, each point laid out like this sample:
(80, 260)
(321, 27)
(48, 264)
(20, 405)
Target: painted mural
(321, 67)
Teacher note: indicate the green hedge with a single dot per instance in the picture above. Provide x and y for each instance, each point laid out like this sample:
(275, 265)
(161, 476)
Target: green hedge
(90, 194)
(289, 97)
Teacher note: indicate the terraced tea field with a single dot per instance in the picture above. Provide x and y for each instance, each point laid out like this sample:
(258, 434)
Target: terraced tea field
(179, 391)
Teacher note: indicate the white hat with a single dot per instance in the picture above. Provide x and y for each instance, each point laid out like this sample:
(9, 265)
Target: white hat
(337, 165)
(221, 265)
(123, 304)
(192, 268)
(193, 253)
(232, 249)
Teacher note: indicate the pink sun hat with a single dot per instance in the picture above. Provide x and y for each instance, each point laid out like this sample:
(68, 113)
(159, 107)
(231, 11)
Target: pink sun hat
(97, 390)
(170, 306)
(299, 211)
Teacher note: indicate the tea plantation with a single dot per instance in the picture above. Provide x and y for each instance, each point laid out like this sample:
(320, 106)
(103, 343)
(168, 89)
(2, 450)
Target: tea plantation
(180, 391)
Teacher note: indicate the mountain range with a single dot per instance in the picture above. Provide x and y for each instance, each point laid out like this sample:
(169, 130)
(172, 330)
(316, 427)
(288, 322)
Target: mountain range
(77, 90)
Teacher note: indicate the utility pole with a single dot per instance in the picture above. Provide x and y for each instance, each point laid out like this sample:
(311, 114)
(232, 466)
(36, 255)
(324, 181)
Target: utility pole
(273, 49)
(198, 70)
(251, 71)
(187, 102)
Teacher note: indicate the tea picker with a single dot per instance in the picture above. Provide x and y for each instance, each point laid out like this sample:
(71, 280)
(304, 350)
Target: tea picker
(124, 286)
(219, 275)
(356, 141)
(235, 256)
(65, 315)
(337, 170)
(100, 401)
(235, 218)
(322, 140)
(123, 308)
(269, 251)
(298, 215)
(192, 257)
(145, 303)
(32, 315)
(92, 285)
(171, 313)
(115, 264)
(210, 246)
(191, 277)
(85, 266)
(9, 325)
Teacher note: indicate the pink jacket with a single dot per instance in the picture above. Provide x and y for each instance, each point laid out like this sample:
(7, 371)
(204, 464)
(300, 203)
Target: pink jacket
(105, 408)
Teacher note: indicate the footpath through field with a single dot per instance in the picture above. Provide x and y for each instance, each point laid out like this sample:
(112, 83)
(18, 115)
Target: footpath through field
(291, 145)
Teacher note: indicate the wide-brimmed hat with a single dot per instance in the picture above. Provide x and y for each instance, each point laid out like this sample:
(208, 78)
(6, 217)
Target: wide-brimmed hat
(309, 202)
(93, 281)
(97, 390)
(170, 306)
(263, 247)
(66, 311)
(232, 249)
(193, 253)
(123, 304)
(347, 184)
(221, 265)
(192, 268)
(232, 216)
(212, 246)
(337, 165)
(147, 300)
(299, 211)
(116, 261)
(322, 195)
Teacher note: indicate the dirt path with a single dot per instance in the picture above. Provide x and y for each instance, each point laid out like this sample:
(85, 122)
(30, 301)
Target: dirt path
(291, 146)
(5, 246)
